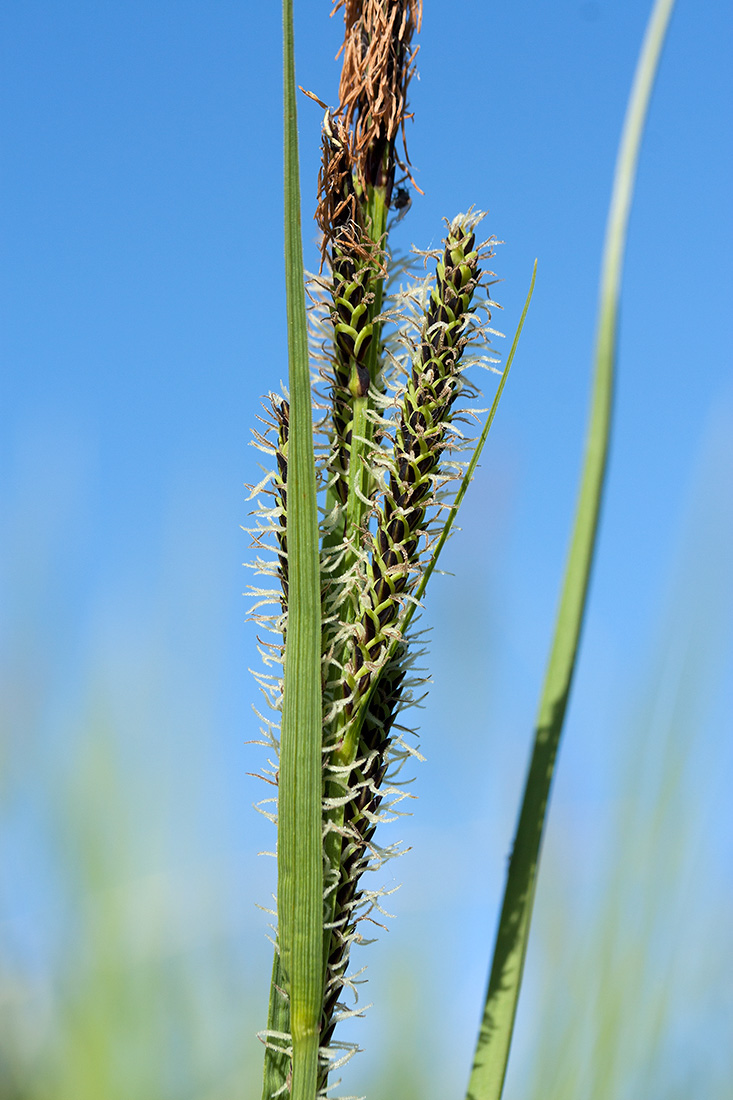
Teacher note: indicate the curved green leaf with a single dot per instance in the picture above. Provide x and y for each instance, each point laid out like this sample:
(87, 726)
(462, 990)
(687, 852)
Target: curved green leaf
(492, 1050)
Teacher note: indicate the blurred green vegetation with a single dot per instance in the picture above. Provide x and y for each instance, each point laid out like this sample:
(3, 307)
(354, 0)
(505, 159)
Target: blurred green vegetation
(125, 971)
(123, 967)
(137, 989)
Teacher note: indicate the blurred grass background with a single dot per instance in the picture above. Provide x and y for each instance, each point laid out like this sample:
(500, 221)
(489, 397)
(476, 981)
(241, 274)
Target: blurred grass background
(132, 960)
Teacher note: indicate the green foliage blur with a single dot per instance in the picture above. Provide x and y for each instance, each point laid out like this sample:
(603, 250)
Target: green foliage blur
(125, 964)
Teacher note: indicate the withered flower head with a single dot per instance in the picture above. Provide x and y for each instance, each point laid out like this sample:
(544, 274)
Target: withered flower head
(378, 63)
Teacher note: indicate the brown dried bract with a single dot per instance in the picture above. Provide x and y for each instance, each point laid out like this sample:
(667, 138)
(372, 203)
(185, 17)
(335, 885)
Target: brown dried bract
(378, 63)
(337, 212)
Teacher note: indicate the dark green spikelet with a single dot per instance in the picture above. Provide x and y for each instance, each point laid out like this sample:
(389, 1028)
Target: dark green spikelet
(354, 264)
(400, 531)
(353, 333)
(269, 537)
(270, 533)
(281, 415)
(421, 437)
(359, 824)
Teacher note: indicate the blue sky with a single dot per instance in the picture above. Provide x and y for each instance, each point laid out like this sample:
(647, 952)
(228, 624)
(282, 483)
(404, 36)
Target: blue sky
(143, 317)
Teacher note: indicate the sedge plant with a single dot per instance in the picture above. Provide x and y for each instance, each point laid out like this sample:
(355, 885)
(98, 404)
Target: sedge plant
(371, 460)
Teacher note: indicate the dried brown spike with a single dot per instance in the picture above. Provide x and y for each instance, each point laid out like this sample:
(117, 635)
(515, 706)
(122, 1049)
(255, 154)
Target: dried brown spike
(378, 63)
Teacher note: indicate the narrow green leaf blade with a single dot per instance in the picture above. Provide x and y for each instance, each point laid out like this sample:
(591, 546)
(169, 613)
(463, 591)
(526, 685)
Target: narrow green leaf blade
(300, 861)
(492, 1051)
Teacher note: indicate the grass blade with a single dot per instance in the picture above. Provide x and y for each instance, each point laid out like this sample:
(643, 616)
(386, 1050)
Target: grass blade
(300, 862)
(492, 1050)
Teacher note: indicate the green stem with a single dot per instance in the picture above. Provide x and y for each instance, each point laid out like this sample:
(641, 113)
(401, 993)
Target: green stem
(344, 736)
(362, 430)
(492, 1050)
(358, 472)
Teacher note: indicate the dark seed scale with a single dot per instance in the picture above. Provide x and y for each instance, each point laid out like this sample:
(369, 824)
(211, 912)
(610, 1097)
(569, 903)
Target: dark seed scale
(281, 413)
(352, 273)
(419, 442)
(375, 739)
